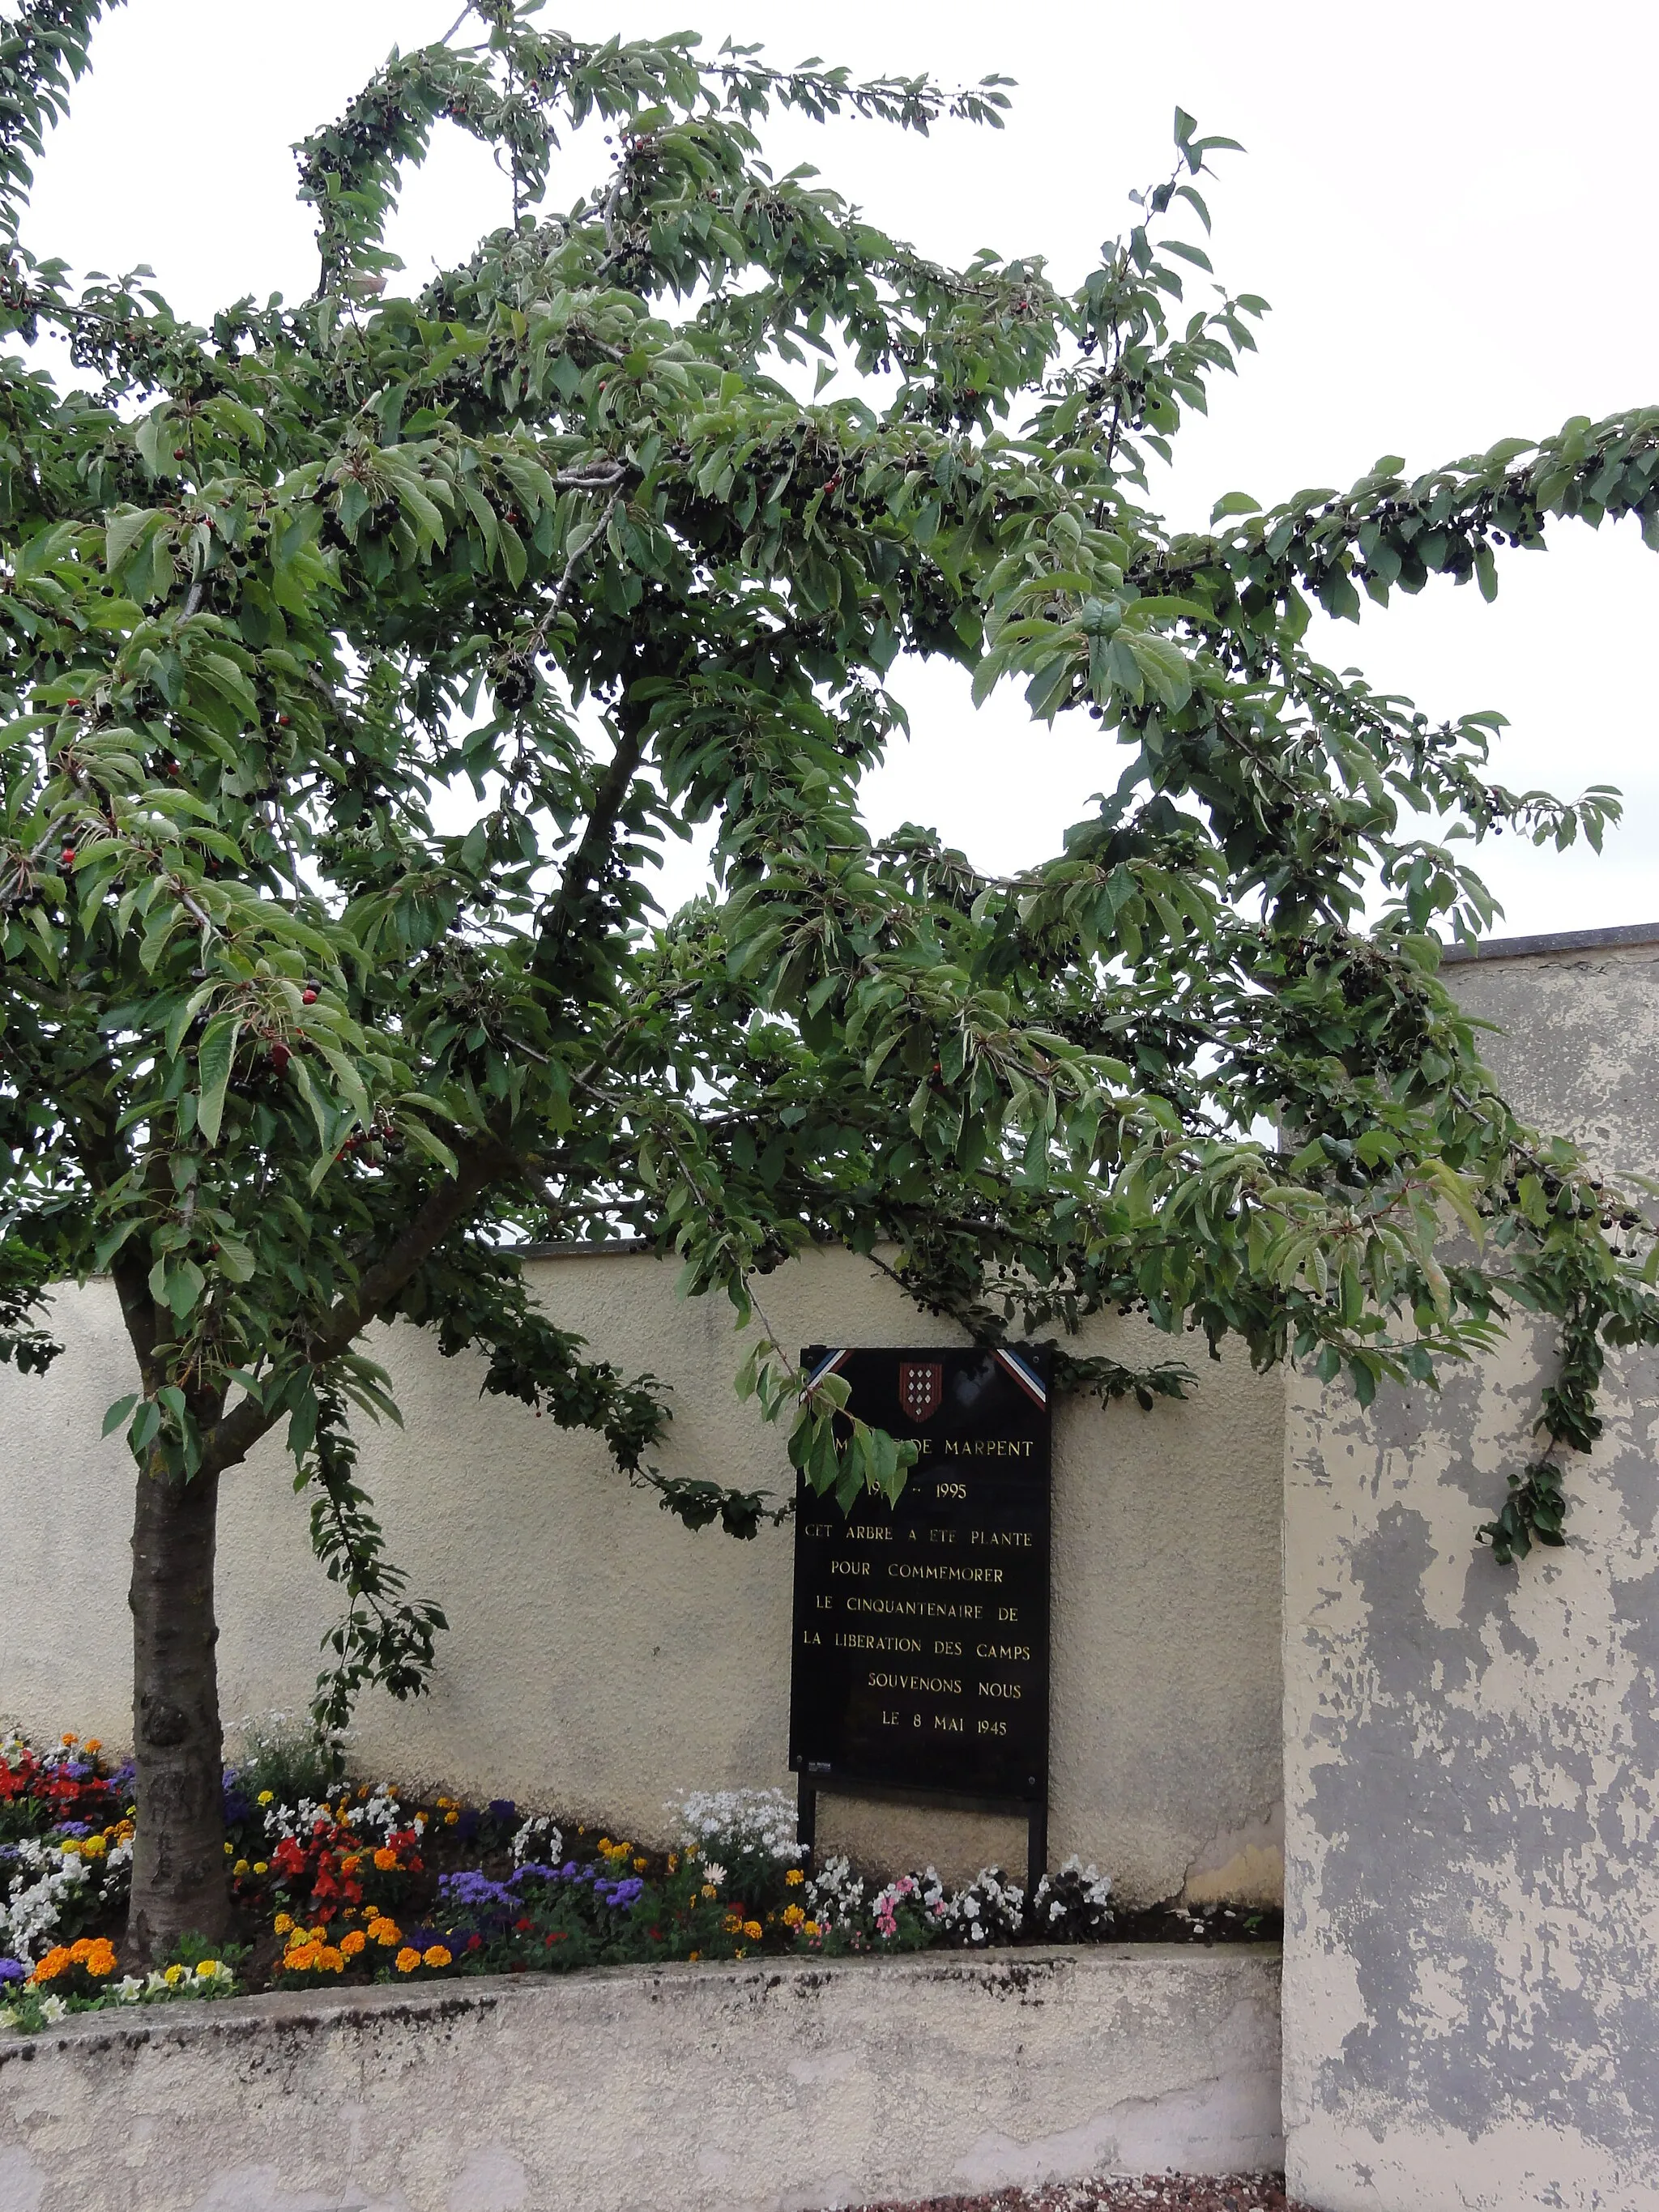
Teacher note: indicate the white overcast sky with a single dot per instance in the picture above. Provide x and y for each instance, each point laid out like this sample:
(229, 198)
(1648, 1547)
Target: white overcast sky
(1449, 205)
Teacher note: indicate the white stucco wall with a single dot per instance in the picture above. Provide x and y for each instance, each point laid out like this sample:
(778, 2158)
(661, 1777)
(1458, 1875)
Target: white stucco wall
(1472, 1752)
(687, 2089)
(601, 1657)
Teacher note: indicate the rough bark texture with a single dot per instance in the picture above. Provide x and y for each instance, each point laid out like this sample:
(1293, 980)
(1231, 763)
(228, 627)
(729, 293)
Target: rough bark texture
(178, 1854)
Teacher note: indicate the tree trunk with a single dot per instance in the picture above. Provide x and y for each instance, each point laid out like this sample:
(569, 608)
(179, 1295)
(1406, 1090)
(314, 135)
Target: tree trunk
(178, 1884)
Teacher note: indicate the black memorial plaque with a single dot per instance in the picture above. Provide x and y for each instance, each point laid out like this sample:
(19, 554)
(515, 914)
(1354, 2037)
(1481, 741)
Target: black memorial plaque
(921, 1629)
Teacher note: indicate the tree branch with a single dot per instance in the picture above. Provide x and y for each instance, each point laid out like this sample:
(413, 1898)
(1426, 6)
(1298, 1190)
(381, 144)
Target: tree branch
(588, 862)
(234, 1435)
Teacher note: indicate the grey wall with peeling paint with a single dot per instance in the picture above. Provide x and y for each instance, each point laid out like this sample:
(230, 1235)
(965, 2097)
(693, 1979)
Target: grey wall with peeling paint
(1471, 1953)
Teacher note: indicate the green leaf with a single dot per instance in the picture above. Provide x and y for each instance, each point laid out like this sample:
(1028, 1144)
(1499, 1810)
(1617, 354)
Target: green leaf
(213, 1066)
(117, 1413)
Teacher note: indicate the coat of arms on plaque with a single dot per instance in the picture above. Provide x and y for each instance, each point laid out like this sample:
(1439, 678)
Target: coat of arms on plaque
(922, 1387)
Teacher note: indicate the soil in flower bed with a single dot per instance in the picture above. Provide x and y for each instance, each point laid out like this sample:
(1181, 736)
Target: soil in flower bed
(1223, 2192)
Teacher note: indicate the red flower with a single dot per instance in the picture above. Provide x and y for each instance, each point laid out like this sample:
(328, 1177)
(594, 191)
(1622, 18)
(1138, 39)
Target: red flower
(522, 1927)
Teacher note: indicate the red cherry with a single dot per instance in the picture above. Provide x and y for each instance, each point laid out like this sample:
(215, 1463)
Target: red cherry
(68, 856)
(280, 1056)
(307, 998)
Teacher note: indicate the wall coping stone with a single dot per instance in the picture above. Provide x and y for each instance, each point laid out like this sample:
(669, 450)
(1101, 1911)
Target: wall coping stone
(1015, 1968)
(1565, 940)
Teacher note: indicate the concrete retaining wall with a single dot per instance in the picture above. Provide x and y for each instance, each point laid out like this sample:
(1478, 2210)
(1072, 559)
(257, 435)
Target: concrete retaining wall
(688, 2089)
(1472, 1752)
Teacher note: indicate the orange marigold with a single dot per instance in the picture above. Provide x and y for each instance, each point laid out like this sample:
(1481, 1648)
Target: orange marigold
(384, 1859)
(751, 1928)
(352, 1942)
(435, 1955)
(56, 1961)
(385, 1932)
(406, 1960)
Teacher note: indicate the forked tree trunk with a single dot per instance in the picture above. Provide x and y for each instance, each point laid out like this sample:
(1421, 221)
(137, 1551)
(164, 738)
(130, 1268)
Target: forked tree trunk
(178, 1884)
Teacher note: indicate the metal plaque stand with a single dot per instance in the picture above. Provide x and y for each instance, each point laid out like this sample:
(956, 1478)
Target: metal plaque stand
(1034, 1814)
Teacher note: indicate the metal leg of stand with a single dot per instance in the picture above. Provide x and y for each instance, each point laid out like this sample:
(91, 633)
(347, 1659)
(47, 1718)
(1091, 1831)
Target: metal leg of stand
(1036, 1849)
(806, 1815)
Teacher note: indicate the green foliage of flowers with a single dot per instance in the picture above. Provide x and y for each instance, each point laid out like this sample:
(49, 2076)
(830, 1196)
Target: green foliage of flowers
(366, 1883)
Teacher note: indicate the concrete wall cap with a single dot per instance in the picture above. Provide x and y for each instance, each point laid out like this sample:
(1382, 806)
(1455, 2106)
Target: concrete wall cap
(1006, 1970)
(1566, 940)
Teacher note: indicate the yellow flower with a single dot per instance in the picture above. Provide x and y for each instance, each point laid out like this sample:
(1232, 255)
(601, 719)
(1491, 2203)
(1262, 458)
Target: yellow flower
(751, 1928)
(266, 1797)
(811, 1928)
(94, 1847)
(793, 1916)
(435, 1955)
(207, 1969)
(673, 1863)
(173, 1976)
(741, 1953)
(695, 1955)
(709, 1890)
(241, 1866)
(229, 1849)
(92, 1743)
(450, 1819)
(407, 1960)
(282, 1923)
(794, 1877)
(70, 1847)
(262, 1866)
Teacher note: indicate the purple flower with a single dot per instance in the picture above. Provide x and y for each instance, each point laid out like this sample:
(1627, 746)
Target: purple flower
(73, 1828)
(12, 1970)
(504, 1810)
(474, 1891)
(620, 1896)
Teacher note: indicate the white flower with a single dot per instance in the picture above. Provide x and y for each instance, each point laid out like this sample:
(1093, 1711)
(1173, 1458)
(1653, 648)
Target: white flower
(53, 2008)
(129, 1989)
(713, 1874)
(741, 1820)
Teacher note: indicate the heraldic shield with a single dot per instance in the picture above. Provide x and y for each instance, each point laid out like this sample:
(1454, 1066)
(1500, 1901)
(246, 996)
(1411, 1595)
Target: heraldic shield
(922, 1387)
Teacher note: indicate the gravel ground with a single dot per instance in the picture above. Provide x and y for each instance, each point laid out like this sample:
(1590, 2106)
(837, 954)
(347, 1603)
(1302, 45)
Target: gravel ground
(1224, 2192)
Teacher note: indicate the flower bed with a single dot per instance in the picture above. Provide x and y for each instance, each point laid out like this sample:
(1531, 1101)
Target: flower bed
(334, 1882)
